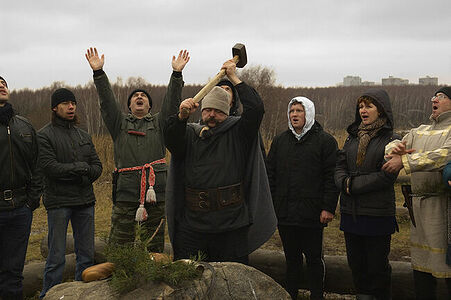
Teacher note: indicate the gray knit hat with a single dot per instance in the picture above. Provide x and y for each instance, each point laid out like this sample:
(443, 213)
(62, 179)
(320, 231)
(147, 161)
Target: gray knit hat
(217, 98)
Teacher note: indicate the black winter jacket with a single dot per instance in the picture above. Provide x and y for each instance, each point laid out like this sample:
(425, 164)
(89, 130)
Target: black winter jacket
(18, 158)
(371, 189)
(69, 163)
(301, 176)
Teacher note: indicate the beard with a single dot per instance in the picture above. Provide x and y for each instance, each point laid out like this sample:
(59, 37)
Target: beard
(211, 120)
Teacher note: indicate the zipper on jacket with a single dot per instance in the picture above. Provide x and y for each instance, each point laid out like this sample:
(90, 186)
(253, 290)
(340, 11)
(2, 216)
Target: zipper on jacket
(11, 159)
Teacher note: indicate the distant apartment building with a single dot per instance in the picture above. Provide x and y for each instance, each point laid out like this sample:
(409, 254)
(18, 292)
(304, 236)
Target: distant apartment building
(428, 81)
(394, 81)
(352, 81)
(368, 83)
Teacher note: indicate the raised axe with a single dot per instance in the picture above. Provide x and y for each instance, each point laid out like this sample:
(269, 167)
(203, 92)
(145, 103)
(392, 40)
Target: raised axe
(239, 58)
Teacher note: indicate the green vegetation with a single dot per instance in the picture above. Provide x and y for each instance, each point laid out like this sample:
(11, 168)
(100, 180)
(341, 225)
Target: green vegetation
(134, 267)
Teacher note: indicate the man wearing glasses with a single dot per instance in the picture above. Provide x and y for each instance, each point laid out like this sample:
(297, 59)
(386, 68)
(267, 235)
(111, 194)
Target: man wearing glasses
(423, 153)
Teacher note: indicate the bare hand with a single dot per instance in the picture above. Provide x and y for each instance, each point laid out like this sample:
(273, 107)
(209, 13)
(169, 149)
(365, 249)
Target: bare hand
(394, 165)
(94, 60)
(449, 182)
(230, 70)
(180, 62)
(187, 107)
(326, 217)
(400, 149)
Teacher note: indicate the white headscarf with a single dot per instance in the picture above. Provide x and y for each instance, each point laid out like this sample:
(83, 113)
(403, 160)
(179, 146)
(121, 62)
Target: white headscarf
(309, 108)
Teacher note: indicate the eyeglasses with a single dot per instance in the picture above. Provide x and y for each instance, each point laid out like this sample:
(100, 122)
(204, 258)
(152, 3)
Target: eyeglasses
(439, 97)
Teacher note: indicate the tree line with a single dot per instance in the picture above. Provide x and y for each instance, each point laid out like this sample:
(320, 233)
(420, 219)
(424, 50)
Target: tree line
(335, 106)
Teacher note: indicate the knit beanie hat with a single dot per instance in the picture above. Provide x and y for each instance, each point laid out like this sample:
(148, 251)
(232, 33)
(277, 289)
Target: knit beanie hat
(1, 78)
(217, 98)
(62, 95)
(445, 90)
(135, 91)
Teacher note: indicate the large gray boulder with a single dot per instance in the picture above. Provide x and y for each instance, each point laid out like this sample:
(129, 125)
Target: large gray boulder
(218, 281)
(99, 245)
(33, 274)
(338, 275)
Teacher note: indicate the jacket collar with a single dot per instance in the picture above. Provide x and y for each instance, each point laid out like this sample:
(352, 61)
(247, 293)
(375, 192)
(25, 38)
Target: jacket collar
(132, 118)
(57, 121)
(442, 117)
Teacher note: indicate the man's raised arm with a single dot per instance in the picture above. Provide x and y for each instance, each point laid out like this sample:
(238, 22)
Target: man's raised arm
(173, 94)
(109, 108)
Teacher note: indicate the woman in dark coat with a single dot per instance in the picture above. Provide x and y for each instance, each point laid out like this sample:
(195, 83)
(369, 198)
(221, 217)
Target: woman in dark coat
(367, 199)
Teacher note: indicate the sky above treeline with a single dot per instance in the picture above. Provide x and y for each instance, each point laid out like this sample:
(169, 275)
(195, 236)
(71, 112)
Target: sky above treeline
(307, 43)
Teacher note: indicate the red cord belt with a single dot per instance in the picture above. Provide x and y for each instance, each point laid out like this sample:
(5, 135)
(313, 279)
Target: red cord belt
(141, 213)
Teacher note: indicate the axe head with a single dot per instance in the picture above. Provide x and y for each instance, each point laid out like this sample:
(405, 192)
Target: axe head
(240, 50)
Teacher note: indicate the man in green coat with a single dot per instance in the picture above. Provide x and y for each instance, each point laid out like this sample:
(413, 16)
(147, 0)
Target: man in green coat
(139, 153)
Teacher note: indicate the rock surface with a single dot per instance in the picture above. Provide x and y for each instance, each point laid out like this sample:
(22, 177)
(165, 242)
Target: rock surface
(218, 281)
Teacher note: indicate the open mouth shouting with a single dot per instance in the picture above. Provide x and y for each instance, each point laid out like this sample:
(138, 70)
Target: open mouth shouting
(434, 107)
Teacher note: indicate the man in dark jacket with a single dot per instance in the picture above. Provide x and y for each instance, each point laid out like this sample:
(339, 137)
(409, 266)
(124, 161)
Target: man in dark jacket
(19, 193)
(218, 202)
(139, 153)
(300, 165)
(69, 164)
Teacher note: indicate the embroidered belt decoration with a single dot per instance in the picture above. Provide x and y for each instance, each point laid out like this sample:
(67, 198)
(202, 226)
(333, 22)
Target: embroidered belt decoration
(150, 196)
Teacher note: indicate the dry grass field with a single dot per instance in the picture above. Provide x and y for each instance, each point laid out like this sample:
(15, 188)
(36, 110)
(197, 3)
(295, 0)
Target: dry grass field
(333, 237)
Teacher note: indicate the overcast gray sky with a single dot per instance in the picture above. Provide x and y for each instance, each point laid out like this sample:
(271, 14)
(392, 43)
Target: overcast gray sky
(307, 43)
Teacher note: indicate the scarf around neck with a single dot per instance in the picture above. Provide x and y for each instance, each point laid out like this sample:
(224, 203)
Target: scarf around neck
(365, 134)
(6, 113)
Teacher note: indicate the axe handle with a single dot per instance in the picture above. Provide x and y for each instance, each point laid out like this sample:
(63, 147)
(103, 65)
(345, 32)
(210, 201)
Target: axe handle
(209, 86)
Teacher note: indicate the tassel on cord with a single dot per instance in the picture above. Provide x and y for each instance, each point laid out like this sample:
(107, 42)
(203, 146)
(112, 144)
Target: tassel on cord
(141, 213)
(151, 197)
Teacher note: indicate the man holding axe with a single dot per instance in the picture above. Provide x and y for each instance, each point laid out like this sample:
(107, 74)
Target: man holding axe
(218, 200)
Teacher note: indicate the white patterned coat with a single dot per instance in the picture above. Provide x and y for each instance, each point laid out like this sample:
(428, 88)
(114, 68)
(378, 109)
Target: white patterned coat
(432, 144)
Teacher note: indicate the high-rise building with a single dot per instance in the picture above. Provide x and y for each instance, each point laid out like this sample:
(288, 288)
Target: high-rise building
(352, 81)
(394, 81)
(428, 80)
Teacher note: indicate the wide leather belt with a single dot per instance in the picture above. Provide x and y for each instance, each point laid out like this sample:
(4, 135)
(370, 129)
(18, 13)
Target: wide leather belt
(214, 199)
(8, 195)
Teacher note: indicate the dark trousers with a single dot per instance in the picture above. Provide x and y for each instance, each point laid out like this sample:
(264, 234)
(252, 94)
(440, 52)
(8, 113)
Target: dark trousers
(426, 285)
(15, 226)
(308, 241)
(228, 246)
(368, 260)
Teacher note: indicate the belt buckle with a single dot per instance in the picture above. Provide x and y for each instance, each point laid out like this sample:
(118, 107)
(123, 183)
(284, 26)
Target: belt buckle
(203, 196)
(8, 195)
